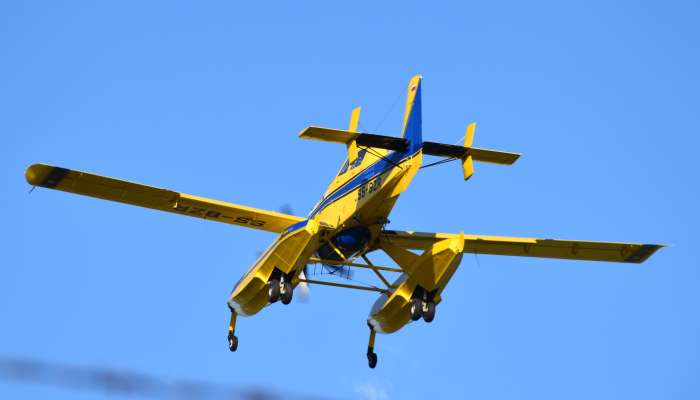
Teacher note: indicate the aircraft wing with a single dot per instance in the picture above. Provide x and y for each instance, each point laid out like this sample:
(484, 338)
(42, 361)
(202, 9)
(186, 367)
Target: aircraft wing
(529, 247)
(159, 199)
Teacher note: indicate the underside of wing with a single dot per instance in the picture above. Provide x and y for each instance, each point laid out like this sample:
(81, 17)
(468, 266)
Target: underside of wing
(529, 247)
(159, 199)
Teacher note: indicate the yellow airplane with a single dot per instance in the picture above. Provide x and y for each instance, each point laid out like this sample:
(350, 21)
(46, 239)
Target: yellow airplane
(349, 222)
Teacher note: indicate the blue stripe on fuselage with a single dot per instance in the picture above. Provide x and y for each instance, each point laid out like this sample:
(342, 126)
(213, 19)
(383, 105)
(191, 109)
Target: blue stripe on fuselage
(413, 132)
(378, 168)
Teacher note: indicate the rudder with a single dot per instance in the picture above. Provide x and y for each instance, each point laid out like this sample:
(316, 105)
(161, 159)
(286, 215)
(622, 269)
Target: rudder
(412, 121)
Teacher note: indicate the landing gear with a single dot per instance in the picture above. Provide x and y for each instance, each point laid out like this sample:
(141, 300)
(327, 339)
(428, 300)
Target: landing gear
(416, 309)
(371, 355)
(232, 342)
(280, 288)
(232, 339)
(286, 292)
(372, 360)
(421, 308)
(428, 311)
(273, 290)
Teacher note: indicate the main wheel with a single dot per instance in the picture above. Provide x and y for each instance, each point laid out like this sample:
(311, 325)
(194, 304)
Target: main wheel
(232, 342)
(273, 290)
(372, 360)
(428, 311)
(287, 292)
(416, 309)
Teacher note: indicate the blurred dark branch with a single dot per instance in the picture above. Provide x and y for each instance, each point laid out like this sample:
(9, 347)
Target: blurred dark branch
(126, 383)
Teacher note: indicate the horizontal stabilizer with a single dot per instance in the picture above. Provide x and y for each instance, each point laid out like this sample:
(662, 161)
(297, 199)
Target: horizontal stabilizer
(461, 152)
(362, 139)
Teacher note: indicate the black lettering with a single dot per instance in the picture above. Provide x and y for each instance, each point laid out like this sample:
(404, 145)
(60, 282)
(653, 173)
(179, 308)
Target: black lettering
(242, 220)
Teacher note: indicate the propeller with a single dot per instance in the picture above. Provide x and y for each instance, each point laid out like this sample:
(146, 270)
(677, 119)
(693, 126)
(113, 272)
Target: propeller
(304, 291)
(286, 209)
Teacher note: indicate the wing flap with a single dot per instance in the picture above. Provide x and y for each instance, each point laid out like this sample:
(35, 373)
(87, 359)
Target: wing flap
(106, 188)
(530, 247)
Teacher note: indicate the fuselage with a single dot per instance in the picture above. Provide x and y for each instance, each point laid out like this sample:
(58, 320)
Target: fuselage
(366, 187)
(346, 220)
(359, 200)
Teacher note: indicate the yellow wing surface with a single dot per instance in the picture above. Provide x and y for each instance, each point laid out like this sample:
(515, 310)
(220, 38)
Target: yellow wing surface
(528, 247)
(156, 198)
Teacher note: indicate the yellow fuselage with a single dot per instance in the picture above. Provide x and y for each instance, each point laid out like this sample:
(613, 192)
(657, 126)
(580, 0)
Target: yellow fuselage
(360, 195)
(348, 220)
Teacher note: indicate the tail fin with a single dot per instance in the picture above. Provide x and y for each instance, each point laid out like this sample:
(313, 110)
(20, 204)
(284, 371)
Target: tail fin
(467, 162)
(352, 144)
(412, 120)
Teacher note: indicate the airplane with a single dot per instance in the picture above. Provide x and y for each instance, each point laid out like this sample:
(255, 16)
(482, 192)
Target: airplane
(349, 223)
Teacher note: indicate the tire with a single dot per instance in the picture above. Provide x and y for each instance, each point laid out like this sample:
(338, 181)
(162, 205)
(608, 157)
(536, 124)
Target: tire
(416, 309)
(429, 312)
(232, 343)
(287, 293)
(372, 360)
(273, 290)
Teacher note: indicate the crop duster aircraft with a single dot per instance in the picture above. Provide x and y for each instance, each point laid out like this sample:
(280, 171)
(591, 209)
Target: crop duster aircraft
(349, 222)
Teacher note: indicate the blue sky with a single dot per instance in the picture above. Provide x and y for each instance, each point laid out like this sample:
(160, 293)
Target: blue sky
(601, 98)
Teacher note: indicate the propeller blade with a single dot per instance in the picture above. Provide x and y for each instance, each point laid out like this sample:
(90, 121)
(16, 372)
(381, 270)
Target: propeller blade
(304, 292)
(286, 209)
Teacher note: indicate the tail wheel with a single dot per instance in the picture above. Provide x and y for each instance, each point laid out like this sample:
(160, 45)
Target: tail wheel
(273, 290)
(428, 311)
(372, 360)
(232, 342)
(287, 292)
(416, 309)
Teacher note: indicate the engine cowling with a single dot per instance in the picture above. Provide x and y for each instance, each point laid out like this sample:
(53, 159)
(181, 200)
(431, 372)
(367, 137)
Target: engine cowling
(349, 242)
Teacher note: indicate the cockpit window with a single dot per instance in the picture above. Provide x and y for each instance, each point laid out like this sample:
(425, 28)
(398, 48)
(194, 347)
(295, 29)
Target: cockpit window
(356, 163)
(344, 169)
(358, 160)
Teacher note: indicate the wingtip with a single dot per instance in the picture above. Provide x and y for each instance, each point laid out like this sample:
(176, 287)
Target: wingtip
(45, 175)
(36, 173)
(643, 253)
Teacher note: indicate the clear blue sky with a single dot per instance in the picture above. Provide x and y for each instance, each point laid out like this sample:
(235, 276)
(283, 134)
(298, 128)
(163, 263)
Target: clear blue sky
(207, 98)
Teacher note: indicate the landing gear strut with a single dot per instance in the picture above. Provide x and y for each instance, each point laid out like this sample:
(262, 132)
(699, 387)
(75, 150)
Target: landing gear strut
(371, 355)
(232, 339)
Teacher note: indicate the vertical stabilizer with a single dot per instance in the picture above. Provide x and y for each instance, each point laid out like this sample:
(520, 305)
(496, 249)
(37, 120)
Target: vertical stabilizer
(412, 120)
(467, 161)
(352, 145)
